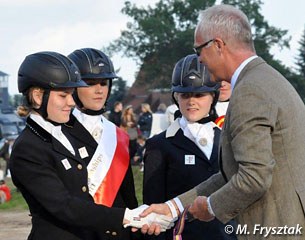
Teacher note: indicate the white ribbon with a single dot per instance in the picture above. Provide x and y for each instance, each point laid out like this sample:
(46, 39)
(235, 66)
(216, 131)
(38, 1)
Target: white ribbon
(102, 158)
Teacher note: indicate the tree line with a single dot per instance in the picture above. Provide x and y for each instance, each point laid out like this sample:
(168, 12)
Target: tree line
(157, 37)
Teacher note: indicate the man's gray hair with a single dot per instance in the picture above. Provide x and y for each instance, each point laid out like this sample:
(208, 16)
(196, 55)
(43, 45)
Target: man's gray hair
(228, 23)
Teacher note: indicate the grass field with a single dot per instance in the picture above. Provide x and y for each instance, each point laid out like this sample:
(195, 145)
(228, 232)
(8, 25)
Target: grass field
(138, 181)
(18, 203)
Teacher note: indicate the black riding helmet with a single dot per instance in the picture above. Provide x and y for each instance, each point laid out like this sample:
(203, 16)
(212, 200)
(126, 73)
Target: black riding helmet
(189, 76)
(47, 70)
(95, 65)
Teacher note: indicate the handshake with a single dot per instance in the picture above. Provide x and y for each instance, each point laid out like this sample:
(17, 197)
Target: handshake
(134, 220)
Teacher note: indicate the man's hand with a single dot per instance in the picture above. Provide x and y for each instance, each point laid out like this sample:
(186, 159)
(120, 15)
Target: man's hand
(153, 222)
(199, 209)
(162, 209)
(132, 217)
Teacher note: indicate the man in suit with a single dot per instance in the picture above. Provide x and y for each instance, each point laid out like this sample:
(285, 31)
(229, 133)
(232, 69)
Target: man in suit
(261, 182)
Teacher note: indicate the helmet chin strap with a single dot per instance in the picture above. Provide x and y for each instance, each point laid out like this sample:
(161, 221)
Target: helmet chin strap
(42, 110)
(92, 112)
(212, 114)
(206, 120)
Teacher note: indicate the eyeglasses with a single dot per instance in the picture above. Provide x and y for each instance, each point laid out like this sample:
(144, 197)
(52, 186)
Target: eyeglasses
(198, 49)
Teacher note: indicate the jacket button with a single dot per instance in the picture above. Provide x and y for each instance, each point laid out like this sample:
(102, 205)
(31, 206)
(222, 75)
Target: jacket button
(107, 232)
(84, 188)
(79, 166)
(114, 233)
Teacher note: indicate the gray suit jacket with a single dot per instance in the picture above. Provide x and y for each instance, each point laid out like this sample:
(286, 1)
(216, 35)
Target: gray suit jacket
(263, 154)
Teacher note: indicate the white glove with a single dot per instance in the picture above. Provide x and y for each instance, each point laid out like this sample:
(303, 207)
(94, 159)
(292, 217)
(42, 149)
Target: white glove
(162, 220)
(135, 221)
(133, 216)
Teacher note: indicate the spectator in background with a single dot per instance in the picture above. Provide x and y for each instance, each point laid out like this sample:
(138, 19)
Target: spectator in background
(5, 192)
(129, 124)
(145, 120)
(5, 153)
(138, 157)
(161, 108)
(115, 114)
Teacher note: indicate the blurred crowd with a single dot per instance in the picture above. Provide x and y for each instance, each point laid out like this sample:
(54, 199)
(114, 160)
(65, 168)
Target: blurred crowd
(140, 126)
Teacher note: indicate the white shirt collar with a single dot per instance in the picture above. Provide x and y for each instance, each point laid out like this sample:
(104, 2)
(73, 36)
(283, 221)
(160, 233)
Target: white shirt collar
(55, 131)
(43, 123)
(93, 124)
(199, 133)
(88, 121)
(238, 71)
(221, 108)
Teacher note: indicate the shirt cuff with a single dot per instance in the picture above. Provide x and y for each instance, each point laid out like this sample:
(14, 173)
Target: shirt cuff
(179, 204)
(210, 207)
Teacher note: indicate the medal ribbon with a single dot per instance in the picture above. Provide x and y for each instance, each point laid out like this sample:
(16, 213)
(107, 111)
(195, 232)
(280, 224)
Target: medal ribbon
(178, 229)
(219, 121)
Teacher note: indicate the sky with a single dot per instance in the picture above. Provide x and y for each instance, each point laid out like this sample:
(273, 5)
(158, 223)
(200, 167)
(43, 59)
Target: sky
(28, 26)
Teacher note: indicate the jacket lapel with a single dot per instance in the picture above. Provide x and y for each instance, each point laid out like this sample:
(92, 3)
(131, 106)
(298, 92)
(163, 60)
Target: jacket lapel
(47, 137)
(58, 147)
(189, 146)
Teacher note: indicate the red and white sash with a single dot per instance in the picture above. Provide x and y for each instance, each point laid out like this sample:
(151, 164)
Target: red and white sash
(108, 165)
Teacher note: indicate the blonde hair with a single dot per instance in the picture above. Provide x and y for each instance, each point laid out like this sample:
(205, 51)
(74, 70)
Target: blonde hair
(23, 111)
(28, 102)
(128, 116)
(146, 106)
